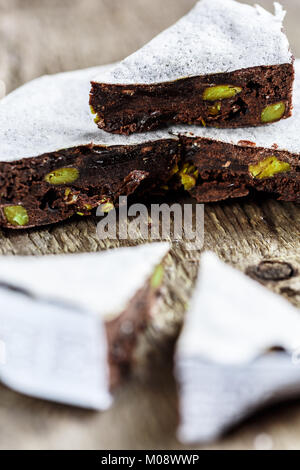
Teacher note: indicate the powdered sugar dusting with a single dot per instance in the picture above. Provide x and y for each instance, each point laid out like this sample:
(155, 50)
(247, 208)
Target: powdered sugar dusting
(217, 36)
(52, 113)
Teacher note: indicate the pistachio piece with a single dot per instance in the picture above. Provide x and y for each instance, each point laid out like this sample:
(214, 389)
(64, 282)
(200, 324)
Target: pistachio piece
(97, 119)
(269, 167)
(273, 112)
(93, 111)
(215, 109)
(157, 277)
(107, 207)
(62, 176)
(188, 176)
(175, 169)
(16, 215)
(220, 92)
(188, 182)
(70, 197)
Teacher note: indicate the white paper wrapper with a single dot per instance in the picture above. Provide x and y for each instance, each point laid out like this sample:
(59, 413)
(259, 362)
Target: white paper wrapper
(216, 36)
(53, 353)
(52, 113)
(224, 366)
(102, 282)
(52, 336)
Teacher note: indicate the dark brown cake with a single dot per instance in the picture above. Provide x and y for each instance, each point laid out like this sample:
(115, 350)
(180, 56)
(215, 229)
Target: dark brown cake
(224, 65)
(215, 171)
(55, 163)
(258, 95)
(124, 332)
(55, 186)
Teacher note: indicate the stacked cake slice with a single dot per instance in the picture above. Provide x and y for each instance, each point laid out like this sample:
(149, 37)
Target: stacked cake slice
(224, 64)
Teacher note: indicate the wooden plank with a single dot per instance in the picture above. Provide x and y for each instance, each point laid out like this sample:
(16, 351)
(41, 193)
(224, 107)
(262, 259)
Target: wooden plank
(242, 233)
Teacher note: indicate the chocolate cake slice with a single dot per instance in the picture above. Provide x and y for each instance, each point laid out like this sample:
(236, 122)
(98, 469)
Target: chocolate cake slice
(224, 65)
(218, 164)
(233, 356)
(55, 163)
(70, 323)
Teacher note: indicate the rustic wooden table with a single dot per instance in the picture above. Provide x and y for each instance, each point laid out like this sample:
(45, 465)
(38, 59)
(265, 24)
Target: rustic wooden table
(48, 36)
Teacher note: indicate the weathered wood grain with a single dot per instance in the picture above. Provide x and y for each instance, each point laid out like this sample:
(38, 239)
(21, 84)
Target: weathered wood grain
(41, 36)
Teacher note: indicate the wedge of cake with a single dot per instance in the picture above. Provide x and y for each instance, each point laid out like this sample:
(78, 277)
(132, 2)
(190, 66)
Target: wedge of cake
(225, 64)
(70, 323)
(55, 163)
(238, 352)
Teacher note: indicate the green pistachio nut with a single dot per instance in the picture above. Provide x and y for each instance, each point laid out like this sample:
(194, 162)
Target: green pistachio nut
(188, 176)
(62, 176)
(273, 112)
(93, 111)
(107, 207)
(269, 167)
(188, 182)
(16, 215)
(221, 92)
(215, 109)
(157, 277)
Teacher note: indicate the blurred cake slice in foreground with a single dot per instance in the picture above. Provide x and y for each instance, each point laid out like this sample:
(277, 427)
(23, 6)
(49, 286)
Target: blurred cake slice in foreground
(237, 352)
(69, 324)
